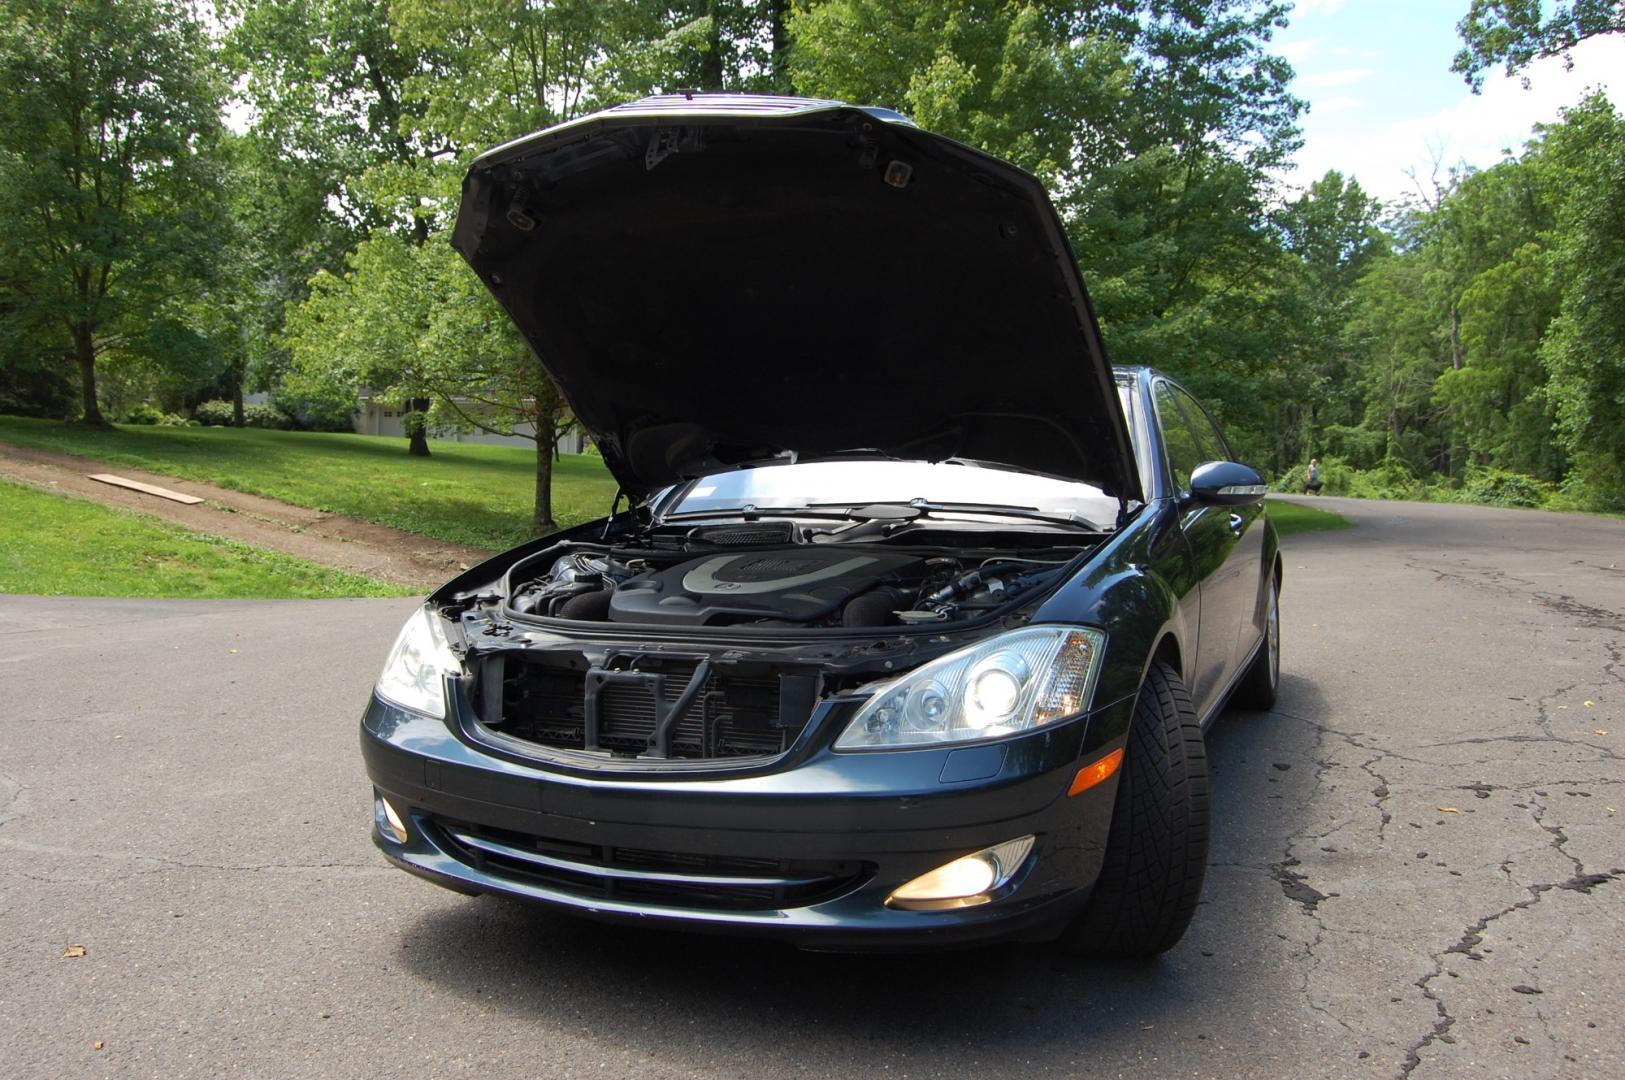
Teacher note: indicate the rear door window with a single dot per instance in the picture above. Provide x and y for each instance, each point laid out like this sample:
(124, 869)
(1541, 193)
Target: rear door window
(1213, 444)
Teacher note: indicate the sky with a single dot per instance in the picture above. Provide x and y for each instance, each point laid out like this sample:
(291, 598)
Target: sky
(1383, 100)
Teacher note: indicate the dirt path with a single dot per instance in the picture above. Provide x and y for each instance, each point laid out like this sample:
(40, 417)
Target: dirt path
(330, 539)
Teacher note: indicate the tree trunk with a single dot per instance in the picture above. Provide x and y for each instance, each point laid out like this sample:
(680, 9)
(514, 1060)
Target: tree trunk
(84, 349)
(777, 10)
(237, 401)
(546, 436)
(417, 423)
(711, 60)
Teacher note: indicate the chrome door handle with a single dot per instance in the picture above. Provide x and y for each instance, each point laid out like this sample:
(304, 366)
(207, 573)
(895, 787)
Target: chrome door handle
(1237, 523)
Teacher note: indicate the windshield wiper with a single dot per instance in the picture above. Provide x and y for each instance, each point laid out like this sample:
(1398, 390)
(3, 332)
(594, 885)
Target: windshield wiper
(750, 513)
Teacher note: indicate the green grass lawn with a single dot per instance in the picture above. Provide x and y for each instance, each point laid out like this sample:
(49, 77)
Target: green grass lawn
(54, 545)
(463, 492)
(1292, 518)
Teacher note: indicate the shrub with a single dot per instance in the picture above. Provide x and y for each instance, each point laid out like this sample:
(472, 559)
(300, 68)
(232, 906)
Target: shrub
(266, 416)
(175, 420)
(215, 413)
(316, 412)
(1501, 487)
(1389, 480)
(219, 414)
(141, 413)
(1392, 479)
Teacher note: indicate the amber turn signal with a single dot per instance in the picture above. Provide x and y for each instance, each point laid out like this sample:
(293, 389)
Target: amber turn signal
(1095, 772)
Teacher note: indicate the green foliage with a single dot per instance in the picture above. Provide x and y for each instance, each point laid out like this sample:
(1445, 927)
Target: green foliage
(214, 414)
(330, 410)
(108, 184)
(54, 545)
(221, 414)
(1292, 518)
(1584, 349)
(1517, 32)
(1499, 487)
(141, 413)
(1387, 480)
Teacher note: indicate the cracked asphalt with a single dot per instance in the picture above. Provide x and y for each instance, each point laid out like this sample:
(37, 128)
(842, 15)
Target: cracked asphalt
(1416, 867)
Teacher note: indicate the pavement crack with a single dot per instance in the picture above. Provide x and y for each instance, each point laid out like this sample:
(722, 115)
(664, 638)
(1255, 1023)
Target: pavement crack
(1296, 887)
(1473, 936)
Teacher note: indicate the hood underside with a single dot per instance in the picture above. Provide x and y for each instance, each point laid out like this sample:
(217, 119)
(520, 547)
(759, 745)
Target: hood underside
(719, 280)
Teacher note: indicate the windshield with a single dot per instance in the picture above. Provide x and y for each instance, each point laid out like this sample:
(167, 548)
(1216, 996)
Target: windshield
(859, 483)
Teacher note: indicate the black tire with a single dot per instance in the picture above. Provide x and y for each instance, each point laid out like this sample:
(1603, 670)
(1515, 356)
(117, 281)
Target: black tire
(1156, 851)
(1259, 686)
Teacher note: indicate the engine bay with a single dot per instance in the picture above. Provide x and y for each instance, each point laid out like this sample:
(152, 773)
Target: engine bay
(707, 583)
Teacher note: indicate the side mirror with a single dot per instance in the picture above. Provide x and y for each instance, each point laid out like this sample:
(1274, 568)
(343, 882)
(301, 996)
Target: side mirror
(1227, 483)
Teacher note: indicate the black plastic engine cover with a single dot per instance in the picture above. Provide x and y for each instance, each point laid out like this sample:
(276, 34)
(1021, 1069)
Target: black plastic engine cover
(795, 584)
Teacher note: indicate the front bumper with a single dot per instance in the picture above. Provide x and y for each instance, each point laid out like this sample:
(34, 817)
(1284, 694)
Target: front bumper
(831, 836)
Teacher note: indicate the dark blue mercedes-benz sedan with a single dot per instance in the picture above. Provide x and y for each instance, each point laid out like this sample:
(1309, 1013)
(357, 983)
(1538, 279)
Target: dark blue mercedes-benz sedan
(919, 610)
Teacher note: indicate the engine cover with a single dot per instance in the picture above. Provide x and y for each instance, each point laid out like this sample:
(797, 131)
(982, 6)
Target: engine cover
(797, 584)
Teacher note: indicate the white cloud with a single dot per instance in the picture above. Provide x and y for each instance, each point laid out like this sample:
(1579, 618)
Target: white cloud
(1296, 52)
(1333, 78)
(1338, 104)
(1475, 129)
(1316, 7)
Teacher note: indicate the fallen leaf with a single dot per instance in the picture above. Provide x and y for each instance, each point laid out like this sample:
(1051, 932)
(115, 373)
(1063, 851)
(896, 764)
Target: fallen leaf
(1562, 706)
(1447, 809)
(1610, 809)
(97, 1045)
(1600, 731)
(73, 952)
(1591, 704)
(1522, 989)
(231, 650)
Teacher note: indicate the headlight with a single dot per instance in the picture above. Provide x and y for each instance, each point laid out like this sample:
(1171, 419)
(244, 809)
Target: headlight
(412, 674)
(1011, 683)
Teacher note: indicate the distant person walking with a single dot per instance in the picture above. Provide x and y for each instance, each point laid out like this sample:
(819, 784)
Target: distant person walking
(1311, 481)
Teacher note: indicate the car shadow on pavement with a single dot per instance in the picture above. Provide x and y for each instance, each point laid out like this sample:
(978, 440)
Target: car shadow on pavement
(722, 999)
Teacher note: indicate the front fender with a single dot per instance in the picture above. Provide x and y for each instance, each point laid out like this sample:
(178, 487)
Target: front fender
(1141, 589)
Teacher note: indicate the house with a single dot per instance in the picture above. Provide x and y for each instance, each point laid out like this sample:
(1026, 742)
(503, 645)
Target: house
(373, 417)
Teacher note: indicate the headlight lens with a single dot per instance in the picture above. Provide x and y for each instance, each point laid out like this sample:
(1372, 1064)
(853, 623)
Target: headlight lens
(412, 675)
(1011, 683)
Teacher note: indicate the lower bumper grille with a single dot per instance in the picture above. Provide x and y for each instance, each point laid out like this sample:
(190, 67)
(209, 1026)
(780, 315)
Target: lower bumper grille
(717, 883)
(731, 711)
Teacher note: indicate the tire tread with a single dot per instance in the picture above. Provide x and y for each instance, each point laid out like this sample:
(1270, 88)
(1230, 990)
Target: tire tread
(1156, 852)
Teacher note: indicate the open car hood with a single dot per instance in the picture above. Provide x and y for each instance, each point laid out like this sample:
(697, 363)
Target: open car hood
(719, 279)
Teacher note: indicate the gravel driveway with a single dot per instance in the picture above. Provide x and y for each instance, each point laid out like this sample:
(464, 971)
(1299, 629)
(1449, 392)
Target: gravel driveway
(1415, 864)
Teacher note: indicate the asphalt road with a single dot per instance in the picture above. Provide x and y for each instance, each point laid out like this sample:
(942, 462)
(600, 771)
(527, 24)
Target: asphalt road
(1415, 863)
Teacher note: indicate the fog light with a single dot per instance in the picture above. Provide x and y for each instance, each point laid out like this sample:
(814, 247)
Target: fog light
(389, 821)
(966, 881)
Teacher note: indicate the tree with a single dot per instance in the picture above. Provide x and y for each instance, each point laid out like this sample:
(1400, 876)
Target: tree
(106, 127)
(410, 322)
(1518, 32)
(1584, 347)
(1332, 234)
(327, 80)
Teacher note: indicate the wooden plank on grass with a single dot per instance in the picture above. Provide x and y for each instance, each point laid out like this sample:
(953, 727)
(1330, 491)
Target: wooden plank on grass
(148, 489)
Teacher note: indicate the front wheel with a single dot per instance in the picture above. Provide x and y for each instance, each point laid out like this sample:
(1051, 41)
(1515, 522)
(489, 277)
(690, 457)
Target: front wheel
(1156, 851)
